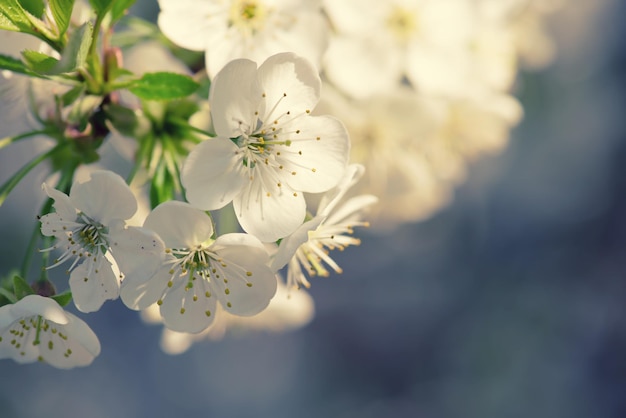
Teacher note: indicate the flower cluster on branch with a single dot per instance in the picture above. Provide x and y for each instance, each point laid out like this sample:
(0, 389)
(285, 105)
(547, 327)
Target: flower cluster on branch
(255, 136)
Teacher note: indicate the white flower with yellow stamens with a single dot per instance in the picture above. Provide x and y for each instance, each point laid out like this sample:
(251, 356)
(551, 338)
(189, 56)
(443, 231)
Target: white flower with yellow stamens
(87, 225)
(253, 29)
(331, 228)
(36, 328)
(198, 272)
(269, 148)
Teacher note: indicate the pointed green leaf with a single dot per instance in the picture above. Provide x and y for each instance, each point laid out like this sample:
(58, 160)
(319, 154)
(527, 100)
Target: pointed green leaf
(119, 8)
(13, 17)
(21, 287)
(34, 7)
(72, 95)
(62, 12)
(6, 297)
(39, 62)
(101, 6)
(75, 53)
(15, 65)
(123, 119)
(63, 298)
(163, 86)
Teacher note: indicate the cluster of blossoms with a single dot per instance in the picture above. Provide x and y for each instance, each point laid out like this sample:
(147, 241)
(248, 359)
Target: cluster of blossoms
(227, 142)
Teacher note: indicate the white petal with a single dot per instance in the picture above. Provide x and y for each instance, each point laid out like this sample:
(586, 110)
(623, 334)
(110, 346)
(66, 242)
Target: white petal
(139, 290)
(48, 308)
(186, 22)
(51, 225)
(179, 224)
(234, 98)
(319, 154)
(353, 174)
(213, 174)
(105, 196)
(356, 66)
(269, 218)
(290, 244)
(251, 284)
(135, 249)
(290, 84)
(92, 283)
(351, 209)
(6, 317)
(62, 203)
(182, 313)
(173, 342)
(82, 342)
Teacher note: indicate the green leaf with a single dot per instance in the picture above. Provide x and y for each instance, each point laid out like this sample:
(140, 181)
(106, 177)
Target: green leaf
(63, 298)
(34, 7)
(123, 119)
(21, 287)
(72, 95)
(39, 62)
(6, 297)
(101, 6)
(62, 12)
(119, 8)
(15, 65)
(13, 181)
(135, 31)
(75, 53)
(163, 86)
(13, 17)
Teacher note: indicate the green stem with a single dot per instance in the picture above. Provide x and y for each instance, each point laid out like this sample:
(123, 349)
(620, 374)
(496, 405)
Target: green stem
(145, 145)
(184, 124)
(11, 139)
(10, 184)
(64, 184)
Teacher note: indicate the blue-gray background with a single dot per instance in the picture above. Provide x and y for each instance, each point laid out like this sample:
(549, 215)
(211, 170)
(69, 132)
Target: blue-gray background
(510, 302)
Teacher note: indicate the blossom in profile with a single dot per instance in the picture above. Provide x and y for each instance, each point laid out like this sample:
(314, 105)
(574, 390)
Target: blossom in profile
(286, 311)
(330, 229)
(37, 328)
(252, 29)
(269, 148)
(86, 225)
(197, 272)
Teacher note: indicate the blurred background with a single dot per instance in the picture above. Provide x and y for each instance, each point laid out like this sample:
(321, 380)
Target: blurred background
(509, 302)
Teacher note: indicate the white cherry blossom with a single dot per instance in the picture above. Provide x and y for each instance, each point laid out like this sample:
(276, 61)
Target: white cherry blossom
(286, 312)
(253, 29)
(86, 224)
(269, 148)
(36, 328)
(330, 229)
(376, 44)
(198, 272)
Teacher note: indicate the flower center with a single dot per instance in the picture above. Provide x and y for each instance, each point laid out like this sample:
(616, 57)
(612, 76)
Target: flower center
(84, 238)
(45, 334)
(248, 15)
(205, 273)
(402, 23)
(91, 236)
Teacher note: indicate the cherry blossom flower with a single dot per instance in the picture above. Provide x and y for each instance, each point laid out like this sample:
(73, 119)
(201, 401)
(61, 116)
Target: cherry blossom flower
(36, 328)
(253, 29)
(376, 44)
(269, 148)
(198, 272)
(86, 224)
(330, 229)
(285, 312)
